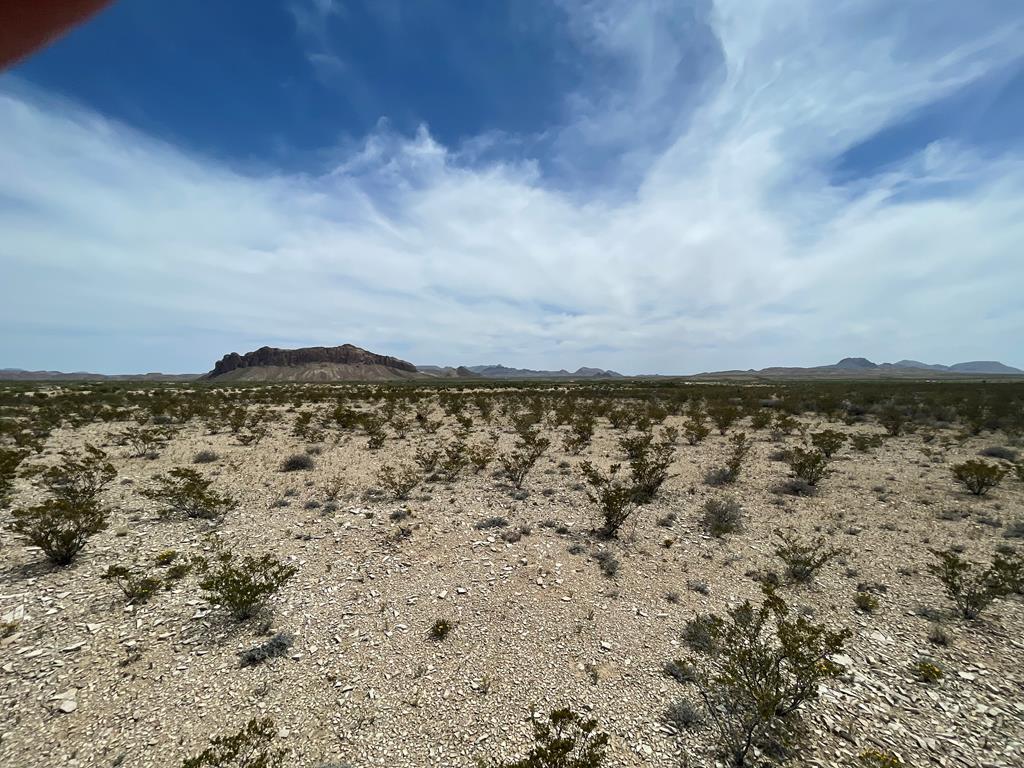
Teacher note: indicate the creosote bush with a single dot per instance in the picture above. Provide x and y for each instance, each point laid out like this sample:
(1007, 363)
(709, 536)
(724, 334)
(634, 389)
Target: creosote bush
(978, 477)
(730, 473)
(399, 481)
(186, 492)
(137, 587)
(971, 588)
(562, 740)
(722, 516)
(808, 466)
(828, 441)
(242, 585)
(251, 747)
(62, 524)
(518, 463)
(803, 559)
(615, 498)
(756, 668)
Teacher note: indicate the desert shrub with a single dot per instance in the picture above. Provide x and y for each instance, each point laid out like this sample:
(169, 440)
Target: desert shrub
(145, 440)
(723, 416)
(453, 461)
(186, 492)
(615, 498)
(398, 481)
(518, 463)
(278, 645)
(298, 462)
(864, 443)
(757, 668)
(1014, 529)
(927, 671)
(59, 527)
(809, 466)
(681, 714)
(828, 441)
(971, 588)
(10, 459)
(206, 457)
(978, 477)
(803, 559)
(865, 601)
(165, 558)
(695, 430)
(440, 629)
(760, 419)
(491, 522)
(999, 452)
(374, 426)
(939, 635)
(249, 748)
(730, 473)
(784, 424)
(137, 588)
(427, 458)
(563, 740)
(62, 524)
(581, 432)
(894, 419)
(648, 466)
(722, 516)
(480, 455)
(242, 585)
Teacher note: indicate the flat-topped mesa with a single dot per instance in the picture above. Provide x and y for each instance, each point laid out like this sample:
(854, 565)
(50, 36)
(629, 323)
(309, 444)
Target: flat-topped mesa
(346, 354)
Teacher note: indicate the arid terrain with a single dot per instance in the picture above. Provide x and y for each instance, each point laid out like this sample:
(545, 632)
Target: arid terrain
(542, 604)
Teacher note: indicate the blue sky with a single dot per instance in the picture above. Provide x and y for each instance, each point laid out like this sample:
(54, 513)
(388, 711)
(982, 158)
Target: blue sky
(648, 186)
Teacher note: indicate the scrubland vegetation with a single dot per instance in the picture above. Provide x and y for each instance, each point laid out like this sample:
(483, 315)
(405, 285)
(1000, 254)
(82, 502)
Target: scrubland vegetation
(525, 575)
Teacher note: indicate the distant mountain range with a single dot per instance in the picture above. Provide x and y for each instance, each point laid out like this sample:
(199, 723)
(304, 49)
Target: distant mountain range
(861, 367)
(351, 363)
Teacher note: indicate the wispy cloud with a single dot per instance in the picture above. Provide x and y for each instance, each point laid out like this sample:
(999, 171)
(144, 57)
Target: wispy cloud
(721, 242)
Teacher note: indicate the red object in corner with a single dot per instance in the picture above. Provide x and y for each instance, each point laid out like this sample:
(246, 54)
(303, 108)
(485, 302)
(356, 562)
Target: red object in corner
(26, 25)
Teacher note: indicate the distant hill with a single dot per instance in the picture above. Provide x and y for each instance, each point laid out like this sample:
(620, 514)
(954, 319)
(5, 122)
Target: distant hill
(861, 367)
(342, 363)
(503, 372)
(18, 374)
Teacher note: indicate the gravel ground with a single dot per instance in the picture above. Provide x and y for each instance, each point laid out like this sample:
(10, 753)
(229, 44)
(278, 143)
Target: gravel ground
(87, 680)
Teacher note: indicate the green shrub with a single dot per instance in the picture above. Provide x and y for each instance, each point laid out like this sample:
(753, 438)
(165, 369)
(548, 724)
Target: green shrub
(615, 498)
(972, 589)
(723, 416)
(10, 459)
(648, 465)
(518, 463)
(864, 443)
(757, 668)
(398, 481)
(875, 758)
(722, 516)
(62, 524)
(137, 588)
(828, 441)
(427, 458)
(563, 740)
(145, 440)
(760, 419)
(440, 629)
(249, 748)
(803, 559)
(866, 602)
(695, 430)
(242, 586)
(927, 671)
(809, 466)
(730, 473)
(186, 492)
(978, 477)
(480, 455)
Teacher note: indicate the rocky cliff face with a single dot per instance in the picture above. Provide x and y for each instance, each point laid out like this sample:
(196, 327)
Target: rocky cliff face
(346, 354)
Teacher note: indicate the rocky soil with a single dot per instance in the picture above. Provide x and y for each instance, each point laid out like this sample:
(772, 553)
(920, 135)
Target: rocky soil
(86, 680)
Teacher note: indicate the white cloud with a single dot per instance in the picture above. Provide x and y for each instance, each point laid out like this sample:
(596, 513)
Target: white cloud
(730, 247)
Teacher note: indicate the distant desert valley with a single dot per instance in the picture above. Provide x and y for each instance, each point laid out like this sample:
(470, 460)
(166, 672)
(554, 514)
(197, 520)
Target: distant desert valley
(327, 557)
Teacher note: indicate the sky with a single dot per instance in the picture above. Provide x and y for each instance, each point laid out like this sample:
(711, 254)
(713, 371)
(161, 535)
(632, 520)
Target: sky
(651, 187)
